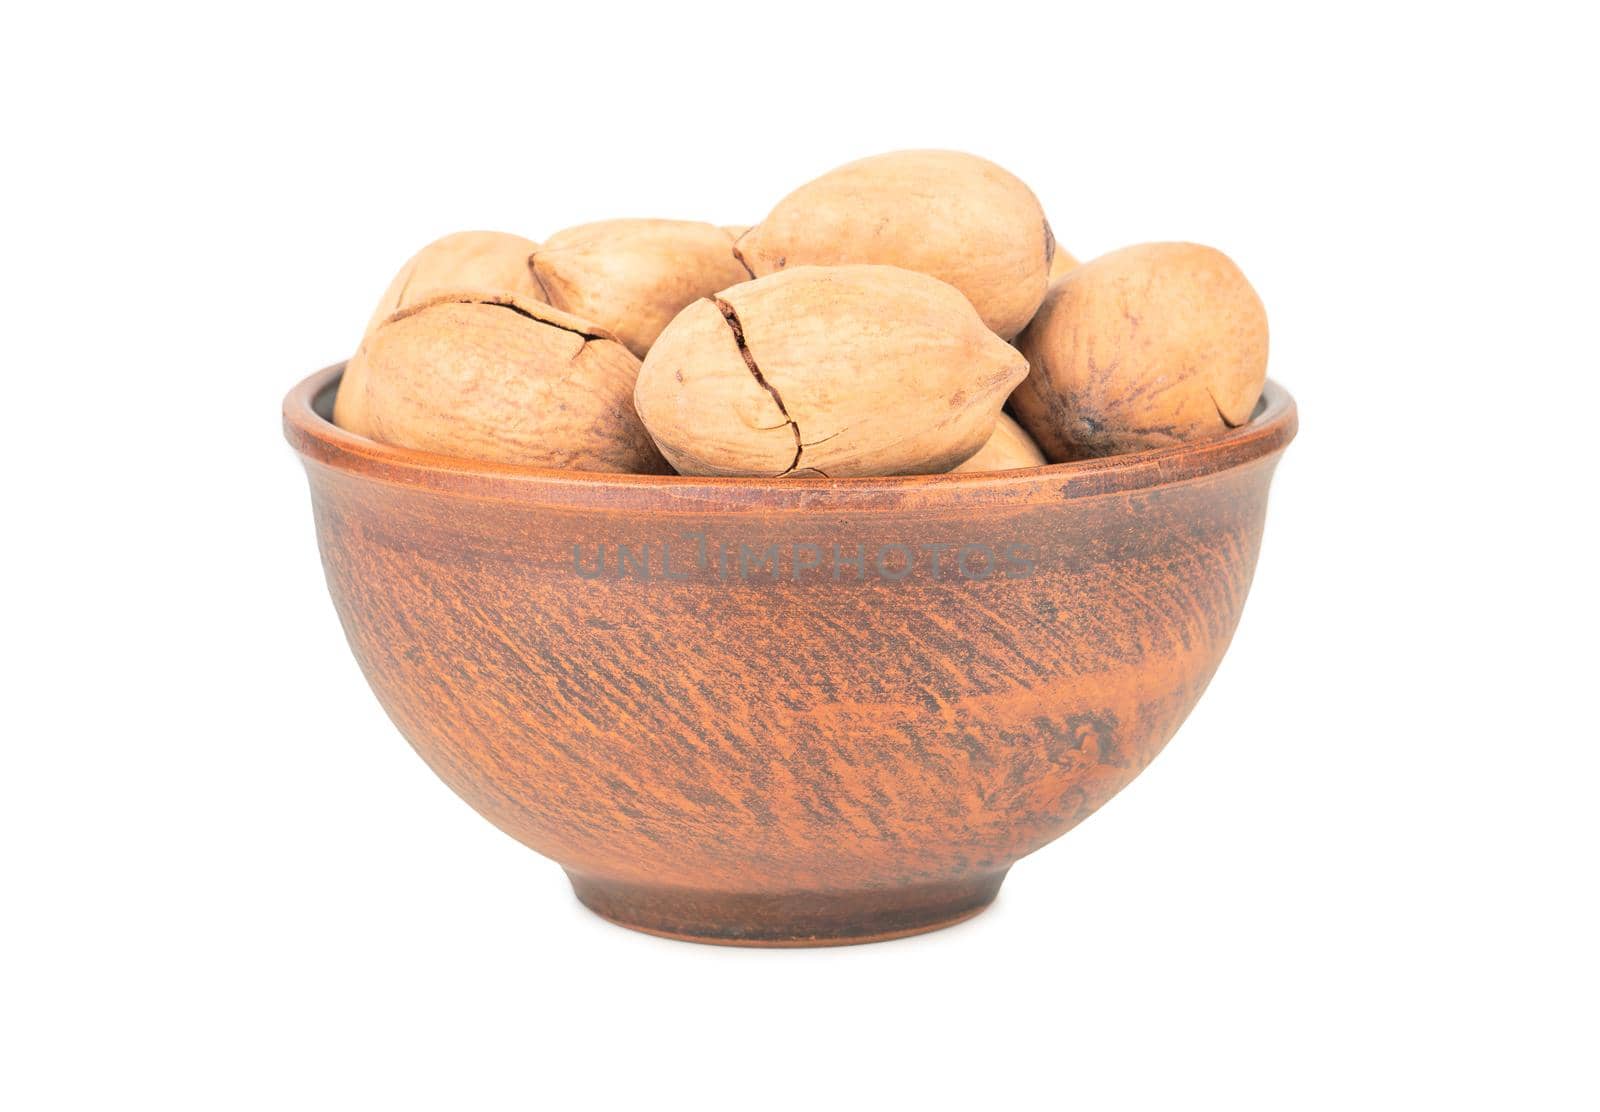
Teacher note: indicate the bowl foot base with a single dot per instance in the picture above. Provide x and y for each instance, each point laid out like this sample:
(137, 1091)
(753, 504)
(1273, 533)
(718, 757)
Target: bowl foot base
(786, 919)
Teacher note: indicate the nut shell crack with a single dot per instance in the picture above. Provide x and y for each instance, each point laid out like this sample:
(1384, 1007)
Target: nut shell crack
(730, 315)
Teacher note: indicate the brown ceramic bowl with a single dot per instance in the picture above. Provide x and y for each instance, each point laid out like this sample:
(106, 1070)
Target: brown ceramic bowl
(787, 712)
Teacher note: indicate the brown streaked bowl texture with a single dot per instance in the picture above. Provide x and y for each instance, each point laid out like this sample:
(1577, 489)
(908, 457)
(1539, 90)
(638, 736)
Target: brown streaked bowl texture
(849, 724)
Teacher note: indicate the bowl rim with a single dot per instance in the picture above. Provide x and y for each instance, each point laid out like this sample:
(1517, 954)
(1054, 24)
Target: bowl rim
(323, 444)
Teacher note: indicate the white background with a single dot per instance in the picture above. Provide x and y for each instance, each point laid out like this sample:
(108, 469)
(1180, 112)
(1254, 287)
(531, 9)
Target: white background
(1363, 874)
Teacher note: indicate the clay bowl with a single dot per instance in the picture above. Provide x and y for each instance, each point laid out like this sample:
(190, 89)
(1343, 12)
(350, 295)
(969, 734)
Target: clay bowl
(732, 709)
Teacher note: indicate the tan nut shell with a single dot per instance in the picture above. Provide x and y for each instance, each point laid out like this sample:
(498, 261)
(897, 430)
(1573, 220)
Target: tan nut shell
(1144, 347)
(1062, 263)
(1008, 449)
(836, 371)
(955, 216)
(494, 262)
(633, 276)
(489, 377)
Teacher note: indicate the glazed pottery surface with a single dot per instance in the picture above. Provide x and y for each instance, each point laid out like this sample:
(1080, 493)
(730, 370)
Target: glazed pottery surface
(797, 711)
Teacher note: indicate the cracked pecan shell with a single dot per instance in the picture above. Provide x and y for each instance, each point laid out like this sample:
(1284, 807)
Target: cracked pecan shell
(834, 371)
(633, 276)
(497, 378)
(955, 216)
(493, 262)
(1147, 346)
